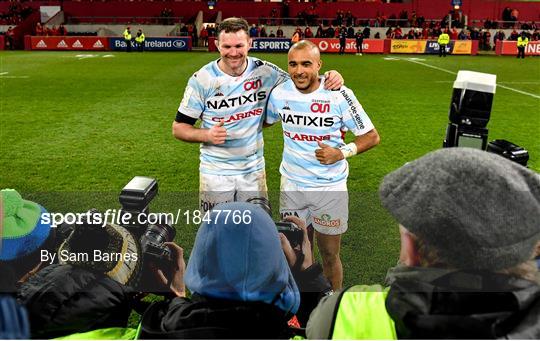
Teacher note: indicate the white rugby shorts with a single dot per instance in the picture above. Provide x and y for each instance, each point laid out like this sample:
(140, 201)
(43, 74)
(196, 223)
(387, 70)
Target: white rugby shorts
(326, 207)
(217, 189)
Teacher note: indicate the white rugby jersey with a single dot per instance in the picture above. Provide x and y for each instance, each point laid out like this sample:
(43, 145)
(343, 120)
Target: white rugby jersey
(212, 95)
(322, 115)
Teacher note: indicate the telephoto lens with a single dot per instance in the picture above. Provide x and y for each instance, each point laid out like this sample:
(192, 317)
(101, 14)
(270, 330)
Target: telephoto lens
(262, 203)
(161, 233)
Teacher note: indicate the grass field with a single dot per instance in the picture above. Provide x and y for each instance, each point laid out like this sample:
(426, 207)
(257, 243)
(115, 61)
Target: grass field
(75, 129)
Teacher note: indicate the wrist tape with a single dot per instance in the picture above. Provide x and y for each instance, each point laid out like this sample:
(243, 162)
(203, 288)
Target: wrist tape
(349, 150)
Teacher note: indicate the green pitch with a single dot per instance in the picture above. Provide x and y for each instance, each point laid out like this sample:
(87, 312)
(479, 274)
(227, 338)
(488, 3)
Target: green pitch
(76, 127)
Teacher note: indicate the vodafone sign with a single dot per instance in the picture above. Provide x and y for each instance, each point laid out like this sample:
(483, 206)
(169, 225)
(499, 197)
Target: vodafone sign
(69, 43)
(331, 45)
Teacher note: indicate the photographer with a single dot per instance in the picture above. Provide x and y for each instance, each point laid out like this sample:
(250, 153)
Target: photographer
(241, 284)
(24, 235)
(469, 229)
(60, 299)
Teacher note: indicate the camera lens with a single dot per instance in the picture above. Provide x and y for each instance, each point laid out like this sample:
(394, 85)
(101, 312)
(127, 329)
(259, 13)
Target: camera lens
(160, 233)
(262, 203)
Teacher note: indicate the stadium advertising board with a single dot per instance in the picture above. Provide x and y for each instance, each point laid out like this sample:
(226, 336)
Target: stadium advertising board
(331, 45)
(408, 46)
(271, 44)
(155, 44)
(510, 48)
(260, 44)
(430, 46)
(462, 47)
(69, 43)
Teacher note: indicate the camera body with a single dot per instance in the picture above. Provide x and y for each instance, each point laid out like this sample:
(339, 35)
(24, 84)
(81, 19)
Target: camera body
(470, 110)
(294, 234)
(509, 150)
(146, 241)
(135, 199)
(469, 114)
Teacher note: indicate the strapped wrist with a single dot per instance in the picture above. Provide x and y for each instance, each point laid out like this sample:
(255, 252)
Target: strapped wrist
(349, 150)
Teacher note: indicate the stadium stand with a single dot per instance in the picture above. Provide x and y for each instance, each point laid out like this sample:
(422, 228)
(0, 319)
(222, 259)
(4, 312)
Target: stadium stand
(88, 17)
(431, 9)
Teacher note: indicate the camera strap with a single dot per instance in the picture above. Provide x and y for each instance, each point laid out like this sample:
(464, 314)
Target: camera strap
(297, 267)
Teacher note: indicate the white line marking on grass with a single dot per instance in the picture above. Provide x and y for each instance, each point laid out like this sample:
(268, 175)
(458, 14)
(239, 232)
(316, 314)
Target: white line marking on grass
(455, 73)
(3, 73)
(14, 76)
(390, 58)
(430, 66)
(108, 56)
(519, 82)
(519, 91)
(84, 56)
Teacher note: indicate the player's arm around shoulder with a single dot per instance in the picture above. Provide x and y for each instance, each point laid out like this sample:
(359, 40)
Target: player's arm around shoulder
(333, 80)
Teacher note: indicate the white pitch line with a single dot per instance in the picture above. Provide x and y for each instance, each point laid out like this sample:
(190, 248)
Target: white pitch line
(430, 66)
(534, 83)
(455, 73)
(14, 76)
(3, 73)
(85, 56)
(518, 91)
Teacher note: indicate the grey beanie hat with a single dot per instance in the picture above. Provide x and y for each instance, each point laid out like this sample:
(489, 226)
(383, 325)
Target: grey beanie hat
(478, 209)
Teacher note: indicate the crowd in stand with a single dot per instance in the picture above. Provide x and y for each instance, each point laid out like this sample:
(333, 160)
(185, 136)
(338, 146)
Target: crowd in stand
(207, 31)
(167, 16)
(44, 30)
(15, 13)
(429, 30)
(401, 26)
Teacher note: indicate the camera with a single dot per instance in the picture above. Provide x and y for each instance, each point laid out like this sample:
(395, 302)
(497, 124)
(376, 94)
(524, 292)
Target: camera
(294, 234)
(470, 110)
(142, 244)
(509, 150)
(135, 199)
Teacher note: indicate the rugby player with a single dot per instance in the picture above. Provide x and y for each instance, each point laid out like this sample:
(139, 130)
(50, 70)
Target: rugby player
(313, 169)
(229, 96)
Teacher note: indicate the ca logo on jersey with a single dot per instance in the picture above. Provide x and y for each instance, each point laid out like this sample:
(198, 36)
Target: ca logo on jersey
(253, 85)
(320, 107)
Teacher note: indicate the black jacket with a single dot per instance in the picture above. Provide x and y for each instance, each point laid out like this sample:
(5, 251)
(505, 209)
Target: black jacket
(437, 304)
(63, 299)
(200, 317)
(206, 318)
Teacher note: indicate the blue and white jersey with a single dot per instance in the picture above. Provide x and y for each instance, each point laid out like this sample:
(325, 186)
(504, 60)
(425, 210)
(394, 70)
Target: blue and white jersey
(212, 95)
(322, 115)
